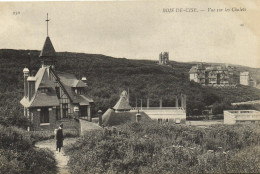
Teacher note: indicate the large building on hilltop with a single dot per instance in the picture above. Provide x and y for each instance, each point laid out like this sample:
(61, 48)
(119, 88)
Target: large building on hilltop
(164, 58)
(50, 96)
(213, 75)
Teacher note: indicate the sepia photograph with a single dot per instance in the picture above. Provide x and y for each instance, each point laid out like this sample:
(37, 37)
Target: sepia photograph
(130, 86)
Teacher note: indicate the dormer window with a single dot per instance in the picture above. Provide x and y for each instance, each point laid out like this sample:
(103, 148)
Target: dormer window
(79, 90)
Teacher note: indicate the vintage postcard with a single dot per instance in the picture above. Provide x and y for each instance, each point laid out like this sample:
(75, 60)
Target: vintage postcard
(130, 86)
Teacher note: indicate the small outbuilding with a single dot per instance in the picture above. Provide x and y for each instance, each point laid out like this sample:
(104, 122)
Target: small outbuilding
(241, 116)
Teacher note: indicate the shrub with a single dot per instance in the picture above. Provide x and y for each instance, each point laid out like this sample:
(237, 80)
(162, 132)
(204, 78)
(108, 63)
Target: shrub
(167, 148)
(18, 155)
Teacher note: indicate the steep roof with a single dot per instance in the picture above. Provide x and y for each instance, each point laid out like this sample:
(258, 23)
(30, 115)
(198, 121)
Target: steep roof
(193, 70)
(112, 118)
(68, 81)
(122, 104)
(201, 66)
(48, 49)
(39, 99)
(78, 84)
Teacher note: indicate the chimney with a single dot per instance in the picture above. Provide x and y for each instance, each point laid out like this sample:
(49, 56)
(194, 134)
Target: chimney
(84, 79)
(31, 87)
(182, 100)
(100, 118)
(138, 117)
(128, 95)
(161, 103)
(147, 103)
(25, 75)
(176, 102)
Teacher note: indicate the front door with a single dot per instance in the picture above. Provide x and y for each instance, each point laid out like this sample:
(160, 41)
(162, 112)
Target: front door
(83, 111)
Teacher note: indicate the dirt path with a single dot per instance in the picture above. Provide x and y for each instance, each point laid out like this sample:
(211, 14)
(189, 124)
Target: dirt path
(60, 157)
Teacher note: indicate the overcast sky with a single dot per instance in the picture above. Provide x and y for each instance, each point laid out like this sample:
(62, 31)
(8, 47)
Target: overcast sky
(138, 30)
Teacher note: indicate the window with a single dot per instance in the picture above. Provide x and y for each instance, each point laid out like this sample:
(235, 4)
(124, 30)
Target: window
(57, 113)
(44, 90)
(57, 92)
(167, 120)
(65, 109)
(79, 90)
(44, 115)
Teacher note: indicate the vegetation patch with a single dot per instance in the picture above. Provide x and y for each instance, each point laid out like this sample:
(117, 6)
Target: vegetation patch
(155, 148)
(18, 155)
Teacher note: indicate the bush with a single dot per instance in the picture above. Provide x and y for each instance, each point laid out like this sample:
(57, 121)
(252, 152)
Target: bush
(18, 155)
(155, 148)
(45, 135)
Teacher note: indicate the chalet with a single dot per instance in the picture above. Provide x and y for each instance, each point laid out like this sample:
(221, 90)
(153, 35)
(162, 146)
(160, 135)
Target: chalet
(122, 113)
(50, 96)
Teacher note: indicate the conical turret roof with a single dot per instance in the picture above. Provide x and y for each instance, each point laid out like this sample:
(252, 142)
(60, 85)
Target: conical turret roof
(48, 49)
(123, 103)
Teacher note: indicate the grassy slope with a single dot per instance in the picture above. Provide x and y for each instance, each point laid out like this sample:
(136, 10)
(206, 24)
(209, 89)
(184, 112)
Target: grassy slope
(108, 76)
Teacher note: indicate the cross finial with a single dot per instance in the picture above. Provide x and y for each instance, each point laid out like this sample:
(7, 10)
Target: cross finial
(47, 20)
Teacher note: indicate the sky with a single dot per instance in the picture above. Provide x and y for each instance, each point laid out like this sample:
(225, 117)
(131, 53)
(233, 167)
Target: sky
(138, 29)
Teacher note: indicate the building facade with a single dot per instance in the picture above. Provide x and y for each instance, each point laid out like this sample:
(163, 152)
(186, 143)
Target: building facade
(51, 96)
(164, 58)
(213, 75)
(162, 114)
(241, 117)
(247, 80)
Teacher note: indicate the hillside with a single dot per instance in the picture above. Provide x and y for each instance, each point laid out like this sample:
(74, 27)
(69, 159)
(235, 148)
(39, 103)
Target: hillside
(108, 76)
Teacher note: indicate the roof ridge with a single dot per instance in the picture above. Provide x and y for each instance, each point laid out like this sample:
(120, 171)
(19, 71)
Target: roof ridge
(40, 80)
(32, 100)
(61, 84)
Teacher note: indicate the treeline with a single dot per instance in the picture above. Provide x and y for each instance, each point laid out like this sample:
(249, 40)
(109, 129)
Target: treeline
(107, 77)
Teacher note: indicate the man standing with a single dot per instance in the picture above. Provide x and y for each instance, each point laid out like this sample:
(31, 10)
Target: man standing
(59, 138)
